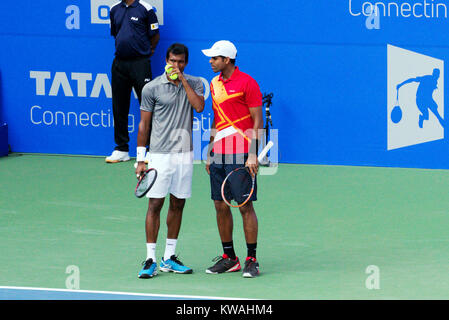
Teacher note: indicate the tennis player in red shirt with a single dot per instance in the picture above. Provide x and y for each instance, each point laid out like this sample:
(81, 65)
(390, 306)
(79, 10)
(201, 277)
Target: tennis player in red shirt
(237, 105)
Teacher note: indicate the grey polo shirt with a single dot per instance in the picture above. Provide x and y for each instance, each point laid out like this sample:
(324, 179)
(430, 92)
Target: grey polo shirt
(172, 113)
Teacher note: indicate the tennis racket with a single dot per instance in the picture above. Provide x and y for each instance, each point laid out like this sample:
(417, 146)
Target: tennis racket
(146, 181)
(243, 182)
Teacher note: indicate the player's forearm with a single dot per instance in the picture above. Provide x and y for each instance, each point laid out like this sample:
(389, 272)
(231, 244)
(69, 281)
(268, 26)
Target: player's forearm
(257, 129)
(211, 139)
(144, 128)
(195, 100)
(142, 135)
(407, 82)
(154, 41)
(256, 132)
(256, 115)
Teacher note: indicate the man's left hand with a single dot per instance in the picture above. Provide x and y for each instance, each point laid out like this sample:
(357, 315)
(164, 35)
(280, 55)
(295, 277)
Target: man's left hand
(252, 164)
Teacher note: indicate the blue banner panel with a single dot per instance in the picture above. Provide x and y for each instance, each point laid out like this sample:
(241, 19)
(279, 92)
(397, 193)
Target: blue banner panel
(355, 82)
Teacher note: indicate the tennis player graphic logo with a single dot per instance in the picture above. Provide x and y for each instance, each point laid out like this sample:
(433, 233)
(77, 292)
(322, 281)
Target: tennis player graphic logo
(415, 98)
(424, 98)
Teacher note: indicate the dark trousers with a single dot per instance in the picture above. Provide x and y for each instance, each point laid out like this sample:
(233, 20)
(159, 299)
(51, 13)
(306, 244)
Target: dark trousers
(126, 74)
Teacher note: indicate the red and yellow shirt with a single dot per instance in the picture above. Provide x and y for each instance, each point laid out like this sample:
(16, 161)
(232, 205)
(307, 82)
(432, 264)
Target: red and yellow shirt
(231, 100)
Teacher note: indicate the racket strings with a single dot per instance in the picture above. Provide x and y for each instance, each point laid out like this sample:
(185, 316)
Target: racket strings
(238, 186)
(243, 179)
(147, 178)
(145, 182)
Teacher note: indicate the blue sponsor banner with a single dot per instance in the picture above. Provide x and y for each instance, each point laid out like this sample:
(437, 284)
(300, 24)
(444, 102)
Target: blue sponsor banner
(336, 69)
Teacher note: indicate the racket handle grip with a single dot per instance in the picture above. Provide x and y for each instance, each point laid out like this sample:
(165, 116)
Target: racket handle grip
(265, 150)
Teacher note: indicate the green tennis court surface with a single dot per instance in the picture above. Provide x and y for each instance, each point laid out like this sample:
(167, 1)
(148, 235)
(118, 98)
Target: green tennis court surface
(320, 228)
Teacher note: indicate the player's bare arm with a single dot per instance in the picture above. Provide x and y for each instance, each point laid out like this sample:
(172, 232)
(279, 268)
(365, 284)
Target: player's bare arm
(142, 136)
(252, 162)
(211, 144)
(195, 100)
(154, 41)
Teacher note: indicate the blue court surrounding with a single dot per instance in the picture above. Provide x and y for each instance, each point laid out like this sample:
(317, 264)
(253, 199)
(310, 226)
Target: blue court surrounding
(18, 293)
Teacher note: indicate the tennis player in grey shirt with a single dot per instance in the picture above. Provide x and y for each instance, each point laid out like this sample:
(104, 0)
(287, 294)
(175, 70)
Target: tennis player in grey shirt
(167, 107)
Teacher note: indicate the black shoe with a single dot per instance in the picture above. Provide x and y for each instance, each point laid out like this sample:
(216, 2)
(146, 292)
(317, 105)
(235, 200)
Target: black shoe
(224, 264)
(251, 268)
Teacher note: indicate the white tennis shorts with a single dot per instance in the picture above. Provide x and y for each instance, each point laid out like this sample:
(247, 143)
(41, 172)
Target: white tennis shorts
(174, 174)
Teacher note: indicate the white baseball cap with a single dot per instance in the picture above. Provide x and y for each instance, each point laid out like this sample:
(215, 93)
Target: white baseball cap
(223, 48)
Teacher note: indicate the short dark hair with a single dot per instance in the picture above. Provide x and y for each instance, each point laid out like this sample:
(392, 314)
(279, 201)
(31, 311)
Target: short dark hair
(176, 49)
(231, 60)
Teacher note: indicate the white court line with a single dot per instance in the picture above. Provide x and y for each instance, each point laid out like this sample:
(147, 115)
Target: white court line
(122, 293)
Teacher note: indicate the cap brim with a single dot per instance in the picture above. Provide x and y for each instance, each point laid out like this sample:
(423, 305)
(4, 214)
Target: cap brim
(209, 53)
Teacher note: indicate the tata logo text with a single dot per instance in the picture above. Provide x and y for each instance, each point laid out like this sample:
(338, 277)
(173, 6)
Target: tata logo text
(80, 84)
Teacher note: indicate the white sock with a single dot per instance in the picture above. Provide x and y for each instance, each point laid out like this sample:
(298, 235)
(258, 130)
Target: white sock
(170, 248)
(151, 251)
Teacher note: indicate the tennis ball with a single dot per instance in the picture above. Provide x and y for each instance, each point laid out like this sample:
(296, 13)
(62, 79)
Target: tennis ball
(168, 69)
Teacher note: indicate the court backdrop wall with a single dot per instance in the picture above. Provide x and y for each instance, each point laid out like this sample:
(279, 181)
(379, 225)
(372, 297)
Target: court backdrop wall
(333, 67)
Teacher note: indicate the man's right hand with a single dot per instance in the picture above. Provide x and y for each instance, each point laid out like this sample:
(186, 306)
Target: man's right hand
(141, 167)
(208, 166)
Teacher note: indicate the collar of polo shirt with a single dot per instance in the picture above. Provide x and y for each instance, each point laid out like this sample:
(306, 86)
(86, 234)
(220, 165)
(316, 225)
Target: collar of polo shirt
(135, 3)
(233, 75)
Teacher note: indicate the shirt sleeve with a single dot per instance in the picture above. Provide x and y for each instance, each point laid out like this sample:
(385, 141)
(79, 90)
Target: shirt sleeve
(198, 87)
(113, 28)
(148, 101)
(153, 23)
(253, 96)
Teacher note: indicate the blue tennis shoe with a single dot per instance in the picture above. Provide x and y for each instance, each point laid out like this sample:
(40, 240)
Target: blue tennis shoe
(174, 265)
(148, 270)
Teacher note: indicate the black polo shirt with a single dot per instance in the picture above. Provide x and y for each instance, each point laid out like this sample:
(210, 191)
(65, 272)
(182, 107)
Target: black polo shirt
(132, 27)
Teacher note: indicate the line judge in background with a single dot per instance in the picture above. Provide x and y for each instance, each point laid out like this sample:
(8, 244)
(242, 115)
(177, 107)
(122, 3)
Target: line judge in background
(135, 27)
